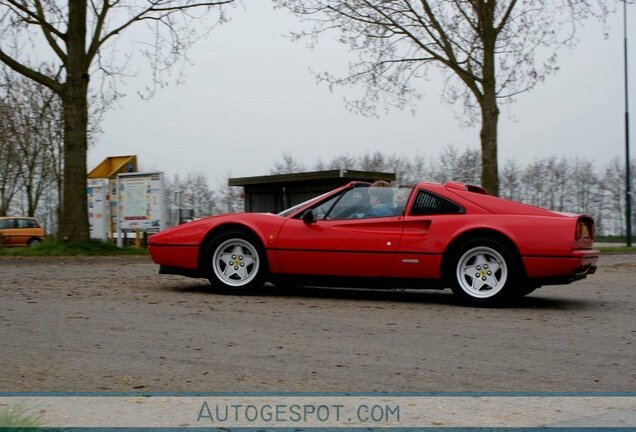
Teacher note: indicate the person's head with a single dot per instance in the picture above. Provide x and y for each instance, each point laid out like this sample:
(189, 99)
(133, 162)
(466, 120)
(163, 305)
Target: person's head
(380, 192)
(381, 184)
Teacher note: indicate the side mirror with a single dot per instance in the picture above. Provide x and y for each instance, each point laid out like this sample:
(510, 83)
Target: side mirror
(309, 217)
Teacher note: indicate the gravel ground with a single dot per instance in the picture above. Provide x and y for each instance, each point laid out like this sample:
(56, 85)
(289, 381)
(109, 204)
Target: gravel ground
(114, 324)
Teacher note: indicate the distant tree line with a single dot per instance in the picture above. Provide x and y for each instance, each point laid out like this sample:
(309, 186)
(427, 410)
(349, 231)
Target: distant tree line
(192, 195)
(29, 180)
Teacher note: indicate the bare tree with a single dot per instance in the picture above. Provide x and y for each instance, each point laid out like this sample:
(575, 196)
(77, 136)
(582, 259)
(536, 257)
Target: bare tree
(585, 190)
(338, 162)
(287, 165)
(613, 190)
(490, 49)
(459, 166)
(191, 194)
(380, 162)
(417, 169)
(9, 166)
(230, 198)
(27, 124)
(78, 35)
(375, 161)
(558, 175)
(202, 197)
(510, 181)
(52, 129)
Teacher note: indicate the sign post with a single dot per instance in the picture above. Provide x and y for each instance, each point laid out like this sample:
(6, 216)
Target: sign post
(98, 208)
(141, 204)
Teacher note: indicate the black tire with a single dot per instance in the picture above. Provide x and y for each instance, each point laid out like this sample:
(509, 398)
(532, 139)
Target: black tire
(526, 289)
(483, 271)
(34, 241)
(235, 261)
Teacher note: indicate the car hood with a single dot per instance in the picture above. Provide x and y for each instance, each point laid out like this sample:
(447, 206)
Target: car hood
(191, 233)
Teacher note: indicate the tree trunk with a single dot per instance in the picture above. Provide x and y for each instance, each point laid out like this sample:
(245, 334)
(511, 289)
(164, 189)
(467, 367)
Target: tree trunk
(31, 202)
(489, 165)
(58, 209)
(489, 118)
(74, 220)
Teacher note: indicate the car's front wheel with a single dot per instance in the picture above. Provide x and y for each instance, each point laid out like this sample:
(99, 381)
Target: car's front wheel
(483, 272)
(237, 262)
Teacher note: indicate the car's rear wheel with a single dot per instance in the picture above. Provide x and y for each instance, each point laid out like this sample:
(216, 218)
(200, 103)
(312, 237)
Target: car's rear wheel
(527, 289)
(34, 241)
(484, 272)
(237, 262)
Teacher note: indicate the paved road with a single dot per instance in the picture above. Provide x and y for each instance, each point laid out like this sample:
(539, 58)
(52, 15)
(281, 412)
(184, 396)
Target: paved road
(113, 324)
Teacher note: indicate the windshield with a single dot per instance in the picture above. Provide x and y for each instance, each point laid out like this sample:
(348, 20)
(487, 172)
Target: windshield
(291, 210)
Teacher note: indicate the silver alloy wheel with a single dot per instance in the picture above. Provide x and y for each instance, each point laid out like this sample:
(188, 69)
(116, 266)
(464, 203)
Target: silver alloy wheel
(235, 262)
(482, 272)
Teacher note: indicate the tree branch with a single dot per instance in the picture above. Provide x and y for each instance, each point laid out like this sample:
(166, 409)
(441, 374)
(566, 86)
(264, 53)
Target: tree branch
(95, 42)
(49, 31)
(143, 15)
(31, 73)
(469, 78)
(506, 17)
(34, 15)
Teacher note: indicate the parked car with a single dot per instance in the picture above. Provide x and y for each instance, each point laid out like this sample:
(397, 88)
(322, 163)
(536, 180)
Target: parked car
(436, 236)
(20, 231)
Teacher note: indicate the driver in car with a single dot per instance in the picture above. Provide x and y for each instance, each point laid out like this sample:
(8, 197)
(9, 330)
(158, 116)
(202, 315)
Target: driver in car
(381, 200)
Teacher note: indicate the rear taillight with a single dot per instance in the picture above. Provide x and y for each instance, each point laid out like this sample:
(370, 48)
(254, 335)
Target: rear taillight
(584, 229)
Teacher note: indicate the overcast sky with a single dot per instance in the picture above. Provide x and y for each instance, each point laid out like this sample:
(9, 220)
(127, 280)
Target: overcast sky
(249, 97)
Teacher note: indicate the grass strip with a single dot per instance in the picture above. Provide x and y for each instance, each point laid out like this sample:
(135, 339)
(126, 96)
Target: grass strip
(86, 248)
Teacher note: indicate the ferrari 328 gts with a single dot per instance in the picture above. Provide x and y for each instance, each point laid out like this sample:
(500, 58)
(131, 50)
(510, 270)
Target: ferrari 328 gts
(486, 249)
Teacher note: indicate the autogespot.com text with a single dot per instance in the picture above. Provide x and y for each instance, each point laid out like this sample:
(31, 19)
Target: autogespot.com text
(298, 413)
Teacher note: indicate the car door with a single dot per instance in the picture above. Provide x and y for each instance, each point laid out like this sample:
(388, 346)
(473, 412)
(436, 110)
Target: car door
(428, 223)
(6, 228)
(10, 232)
(26, 229)
(341, 241)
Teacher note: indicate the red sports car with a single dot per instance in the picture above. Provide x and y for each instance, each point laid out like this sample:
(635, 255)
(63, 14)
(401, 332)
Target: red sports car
(430, 236)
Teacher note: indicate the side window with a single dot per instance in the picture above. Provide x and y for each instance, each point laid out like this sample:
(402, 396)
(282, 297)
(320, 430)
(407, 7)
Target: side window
(353, 205)
(27, 223)
(400, 197)
(363, 202)
(371, 202)
(321, 211)
(427, 203)
(7, 224)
